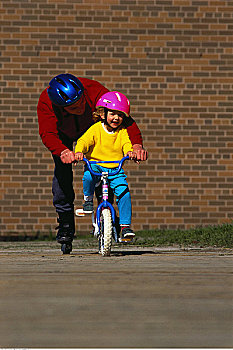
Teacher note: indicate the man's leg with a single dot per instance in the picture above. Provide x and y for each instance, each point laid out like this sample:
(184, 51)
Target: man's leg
(63, 200)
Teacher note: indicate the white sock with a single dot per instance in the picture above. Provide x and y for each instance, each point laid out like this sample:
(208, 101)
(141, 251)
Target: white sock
(88, 198)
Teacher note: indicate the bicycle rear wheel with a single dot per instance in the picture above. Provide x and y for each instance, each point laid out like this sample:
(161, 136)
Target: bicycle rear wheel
(105, 238)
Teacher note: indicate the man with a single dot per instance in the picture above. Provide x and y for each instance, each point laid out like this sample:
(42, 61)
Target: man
(64, 113)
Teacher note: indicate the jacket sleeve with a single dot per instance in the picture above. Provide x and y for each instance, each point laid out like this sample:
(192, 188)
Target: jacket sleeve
(133, 131)
(48, 125)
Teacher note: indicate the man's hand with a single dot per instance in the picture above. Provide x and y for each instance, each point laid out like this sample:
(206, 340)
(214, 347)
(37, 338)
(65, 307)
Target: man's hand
(141, 153)
(67, 156)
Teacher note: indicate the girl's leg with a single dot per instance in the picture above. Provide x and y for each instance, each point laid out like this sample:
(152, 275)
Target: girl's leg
(125, 209)
(123, 198)
(89, 182)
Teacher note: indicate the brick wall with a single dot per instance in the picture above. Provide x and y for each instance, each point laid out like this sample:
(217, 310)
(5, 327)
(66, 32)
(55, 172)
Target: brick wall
(172, 58)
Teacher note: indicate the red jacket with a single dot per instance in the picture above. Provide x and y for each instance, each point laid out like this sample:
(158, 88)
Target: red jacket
(54, 121)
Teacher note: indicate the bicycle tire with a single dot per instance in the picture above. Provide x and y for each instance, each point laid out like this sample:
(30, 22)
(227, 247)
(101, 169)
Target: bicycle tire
(105, 239)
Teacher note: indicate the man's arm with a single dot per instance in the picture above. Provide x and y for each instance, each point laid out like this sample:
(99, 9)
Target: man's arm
(48, 125)
(136, 139)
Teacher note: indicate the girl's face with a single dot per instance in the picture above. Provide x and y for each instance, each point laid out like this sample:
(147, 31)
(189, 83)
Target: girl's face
(114, 119)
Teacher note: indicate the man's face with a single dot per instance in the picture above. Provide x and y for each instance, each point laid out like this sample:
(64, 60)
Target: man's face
(77, 108)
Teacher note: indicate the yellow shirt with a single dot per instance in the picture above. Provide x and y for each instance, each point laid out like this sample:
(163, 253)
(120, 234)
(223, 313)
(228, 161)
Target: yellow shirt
(99, 144)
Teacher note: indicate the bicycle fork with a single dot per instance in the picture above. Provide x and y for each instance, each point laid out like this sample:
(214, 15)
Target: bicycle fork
(105, 204)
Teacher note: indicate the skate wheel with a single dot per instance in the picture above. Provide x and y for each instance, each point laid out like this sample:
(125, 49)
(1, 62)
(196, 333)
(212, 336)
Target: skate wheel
(66, 248)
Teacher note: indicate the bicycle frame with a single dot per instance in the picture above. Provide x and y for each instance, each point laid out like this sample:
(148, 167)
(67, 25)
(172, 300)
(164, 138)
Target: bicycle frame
(104, 177)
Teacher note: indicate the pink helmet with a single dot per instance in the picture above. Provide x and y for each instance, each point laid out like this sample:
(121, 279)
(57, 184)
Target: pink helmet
(115, 100)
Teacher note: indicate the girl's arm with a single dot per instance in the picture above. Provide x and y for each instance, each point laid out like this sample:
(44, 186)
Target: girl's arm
(86, 140)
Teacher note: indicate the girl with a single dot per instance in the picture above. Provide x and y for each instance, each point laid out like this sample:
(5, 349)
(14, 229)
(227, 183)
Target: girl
(107, 140)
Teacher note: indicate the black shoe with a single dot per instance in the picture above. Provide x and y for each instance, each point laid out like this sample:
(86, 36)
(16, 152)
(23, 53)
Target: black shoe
(66, 248)
(127, 233)
(66, 228)
(88, 207)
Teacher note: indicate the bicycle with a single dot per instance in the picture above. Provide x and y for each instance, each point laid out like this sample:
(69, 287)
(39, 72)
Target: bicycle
(104, 220)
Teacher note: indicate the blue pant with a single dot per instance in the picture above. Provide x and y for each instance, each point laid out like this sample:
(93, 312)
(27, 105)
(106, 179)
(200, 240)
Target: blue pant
(120, 188)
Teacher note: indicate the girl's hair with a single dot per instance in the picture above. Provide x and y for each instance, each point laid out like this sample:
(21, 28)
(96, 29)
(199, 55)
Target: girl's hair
(100, 114)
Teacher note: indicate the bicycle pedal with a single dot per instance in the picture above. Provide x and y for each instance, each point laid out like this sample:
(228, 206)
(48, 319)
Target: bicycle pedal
(79, 212)
(125, 240)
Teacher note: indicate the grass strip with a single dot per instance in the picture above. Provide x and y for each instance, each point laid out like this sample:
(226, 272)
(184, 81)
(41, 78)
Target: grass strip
(215, 236)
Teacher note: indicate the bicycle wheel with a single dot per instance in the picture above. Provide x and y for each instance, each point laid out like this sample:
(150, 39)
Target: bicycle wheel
(105, 238)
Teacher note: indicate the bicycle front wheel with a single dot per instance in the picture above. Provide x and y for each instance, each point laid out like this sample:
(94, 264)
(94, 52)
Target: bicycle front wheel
(105, 238)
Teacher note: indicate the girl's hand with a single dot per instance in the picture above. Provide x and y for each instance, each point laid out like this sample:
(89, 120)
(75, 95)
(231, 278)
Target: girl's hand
(78, 156)
(132, 155)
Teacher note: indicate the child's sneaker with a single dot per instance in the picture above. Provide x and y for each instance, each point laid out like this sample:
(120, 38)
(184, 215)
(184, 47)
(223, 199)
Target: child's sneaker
(88, 207)
(127, 233)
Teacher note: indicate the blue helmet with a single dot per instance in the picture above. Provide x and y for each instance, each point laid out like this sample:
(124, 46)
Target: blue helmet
(65, 89)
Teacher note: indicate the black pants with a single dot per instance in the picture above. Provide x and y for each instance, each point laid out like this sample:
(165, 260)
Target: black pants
(62, 188)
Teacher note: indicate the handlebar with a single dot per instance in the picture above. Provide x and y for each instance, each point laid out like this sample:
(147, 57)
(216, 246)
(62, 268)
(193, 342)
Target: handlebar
(89, 162)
